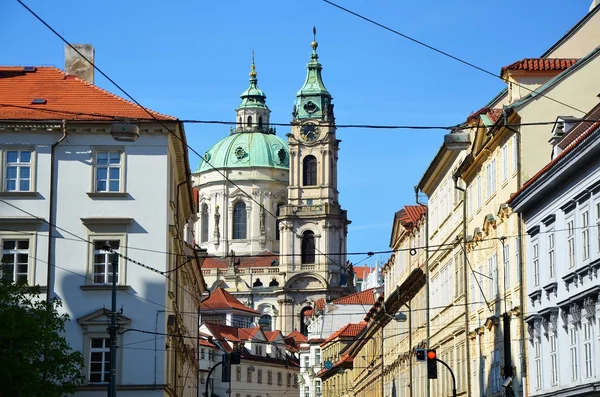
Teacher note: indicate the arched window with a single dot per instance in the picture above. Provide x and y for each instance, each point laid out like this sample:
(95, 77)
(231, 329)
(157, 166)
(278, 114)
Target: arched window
(240, 123)
(274, 283)
(310, 171)
(305, 314)
(265, 322)
(257, 283)
(204, 223)
(239, 221)
(260, 122)
(249, 121)
(308, 247)
(277, 213)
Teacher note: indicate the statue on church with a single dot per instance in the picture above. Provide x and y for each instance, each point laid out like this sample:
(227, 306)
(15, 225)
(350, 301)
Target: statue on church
(216, 234)
(232, 259)
(295, 112)
(262, 219)
(326, 109)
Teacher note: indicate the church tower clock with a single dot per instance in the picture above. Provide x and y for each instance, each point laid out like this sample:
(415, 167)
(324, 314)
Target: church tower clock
(313, 225)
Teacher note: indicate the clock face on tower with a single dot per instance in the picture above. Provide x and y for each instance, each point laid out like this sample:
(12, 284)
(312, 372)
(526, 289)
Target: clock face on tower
(309, 132)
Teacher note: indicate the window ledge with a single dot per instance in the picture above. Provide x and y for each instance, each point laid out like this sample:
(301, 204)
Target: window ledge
(107, 194)
(103, 287)
(19, 194)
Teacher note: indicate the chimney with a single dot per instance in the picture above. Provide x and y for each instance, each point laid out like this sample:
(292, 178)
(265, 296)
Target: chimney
(76, 65)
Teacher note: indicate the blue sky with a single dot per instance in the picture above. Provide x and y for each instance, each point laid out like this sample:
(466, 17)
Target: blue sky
(191, 59)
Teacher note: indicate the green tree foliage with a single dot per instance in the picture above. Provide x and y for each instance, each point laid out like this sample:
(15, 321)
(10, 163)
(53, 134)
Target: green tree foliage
(35, 358)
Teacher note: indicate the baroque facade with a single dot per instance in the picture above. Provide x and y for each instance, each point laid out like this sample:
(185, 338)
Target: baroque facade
(268, 209)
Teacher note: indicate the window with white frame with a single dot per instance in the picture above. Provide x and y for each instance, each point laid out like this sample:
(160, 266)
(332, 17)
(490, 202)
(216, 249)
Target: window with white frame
(471, 198)
(505, 162)
(515, 155)
(202, 352)
(202, 379)
(103, 261)
(506, 257)
(18, 171)
(259, 376)
(587, 350)
(478, 191)
(238, 373)
(517, 259)
(211, 355)
(318, 388)
(585, 235)
(553, 360)
(571, 243)
(598, 226)
(306, 391)
(269, 377)
(538, 363)
(204, 223)
(279, 379)
(317, 357)
(536, 264)
(99, 360)
(15, 260)
(493, 276)
(495, 372)
(249, 374)
(306, 362)
(490, 176)
(459, 275)
(573, 353)
(108, 171)
(551, 255)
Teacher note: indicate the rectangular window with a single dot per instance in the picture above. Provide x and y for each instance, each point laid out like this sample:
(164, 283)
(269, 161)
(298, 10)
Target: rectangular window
(571, 243)
(551, 256)
(490, 175)
(538, 365)
(238, 373)
(318, 388)
(553, 360)
(295, 382)
(202, 378)
(515, 156)
(99, 360)
(306, 362)
(493, 275)
(495, 372)
(317, 357)
(15, 260)
(289, 380)
(202, 354)
(103, 260)
(587, 350)
(211, 355)
(471, 198)
(459, 275)
(585, 236)
(107, 171)
(249, 374)
(573, 353)
(18, 171)
(269, 377)
(517, 259)
(259, 376)
(506, 257)
(306, 391)
(536, 265)
(478, 191)
(505, 162)
(279, 379)
(598, 226)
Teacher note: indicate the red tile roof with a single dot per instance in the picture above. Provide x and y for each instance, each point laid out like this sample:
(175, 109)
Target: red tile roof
(204, 342)
(320, 304)
(366, 297)
(347, 331)
(272, 335)
(493, 114)
(224, 333)
(220, 299)
(410, 215)
(361, 272)
(539, 65)
(66, 97)
(248, 333)
(297, 337)
(264, 259)
(592, 128)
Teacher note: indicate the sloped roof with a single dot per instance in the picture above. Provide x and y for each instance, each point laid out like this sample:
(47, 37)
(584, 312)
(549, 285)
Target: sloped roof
(540, 65)
(220, 299)
(66, 97)
(347, 331)
(581, 135)
(264, 259)
(366, 297)
(297, 337)
(232, 334)
(361, 272)
(206, 343)
(272, 335)
(346, 359)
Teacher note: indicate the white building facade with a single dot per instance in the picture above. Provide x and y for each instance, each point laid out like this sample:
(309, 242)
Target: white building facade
(561, 209)
(68, 187)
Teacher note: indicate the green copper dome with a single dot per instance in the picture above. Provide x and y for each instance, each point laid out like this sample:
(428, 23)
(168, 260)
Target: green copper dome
(249, 149)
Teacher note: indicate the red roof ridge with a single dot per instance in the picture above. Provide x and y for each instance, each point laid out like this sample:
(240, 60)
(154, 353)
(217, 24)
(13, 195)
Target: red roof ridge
(347, 331)
(222, 299)
(366, 297)
(540, 64)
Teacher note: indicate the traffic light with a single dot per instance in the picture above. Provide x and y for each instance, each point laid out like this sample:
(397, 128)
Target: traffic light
(226, 368)
(235, 357)
(421, 354)
(431, 364)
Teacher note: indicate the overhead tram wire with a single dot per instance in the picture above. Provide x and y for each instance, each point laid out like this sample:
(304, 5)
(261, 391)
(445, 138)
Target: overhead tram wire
(112, 117)
(342, 267)
(407, 37)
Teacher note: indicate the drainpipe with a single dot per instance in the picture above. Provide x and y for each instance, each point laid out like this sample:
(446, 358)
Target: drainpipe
(427, 301)
(465, 281)
(51, 210)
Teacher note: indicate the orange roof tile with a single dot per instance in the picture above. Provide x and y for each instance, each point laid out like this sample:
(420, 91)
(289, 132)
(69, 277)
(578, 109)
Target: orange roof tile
(221, 299)
(361, 272)
(298, 337)
(204, 342)
(366, 297)
(264, 259)
(540, 64)
(320, 304)
(248, 333)
(272, 335)
(347, 331)
(66, 97)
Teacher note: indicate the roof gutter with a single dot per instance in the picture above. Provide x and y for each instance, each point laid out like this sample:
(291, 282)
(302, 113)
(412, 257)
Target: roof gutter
(52, 210)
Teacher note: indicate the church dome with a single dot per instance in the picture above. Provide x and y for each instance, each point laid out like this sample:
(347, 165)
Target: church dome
(247, 149)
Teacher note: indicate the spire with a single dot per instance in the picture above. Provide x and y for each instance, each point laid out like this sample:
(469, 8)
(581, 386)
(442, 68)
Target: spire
(313, 100)
(253, 97)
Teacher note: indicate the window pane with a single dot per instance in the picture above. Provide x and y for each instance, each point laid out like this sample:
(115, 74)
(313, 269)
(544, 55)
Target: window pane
(114, 186)
(115, 157)
(8, 244)
(97, 343)
(101, 186)
(24, 185)
(25, 172)
(12, 156)
(101, 173)
(25, 156)
(11, 172)
(115, 173)
(102, 158)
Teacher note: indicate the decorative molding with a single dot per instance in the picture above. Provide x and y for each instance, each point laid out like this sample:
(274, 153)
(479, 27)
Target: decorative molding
(533, 231)
(551, 288)
(570, 278)
(564, 315)
(589, 304)
(538, 328)
(583, 196)
(547, 221)
(569, 206)
(575, 311)
(106, 221)
(21, 220)
(545, 325)
(536, 296)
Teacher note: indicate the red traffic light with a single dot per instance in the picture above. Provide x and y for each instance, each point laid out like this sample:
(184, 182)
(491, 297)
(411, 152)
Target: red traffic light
(431, 354)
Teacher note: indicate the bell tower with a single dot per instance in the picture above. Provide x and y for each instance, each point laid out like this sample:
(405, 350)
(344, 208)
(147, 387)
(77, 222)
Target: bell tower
(313, 225)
